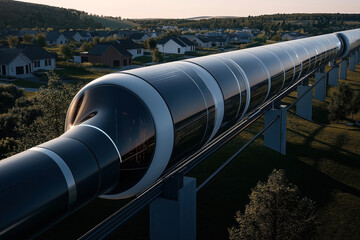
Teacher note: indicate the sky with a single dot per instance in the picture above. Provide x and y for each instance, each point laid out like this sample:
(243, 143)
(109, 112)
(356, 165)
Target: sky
(196, 8)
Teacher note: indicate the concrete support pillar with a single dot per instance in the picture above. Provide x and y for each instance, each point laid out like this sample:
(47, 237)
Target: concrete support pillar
(333, 76)
(174, 217)
(352, 62)
(357, 56)
(343, 69)
(358, 60)
(275, 135)
(320, 81)
(304, 105)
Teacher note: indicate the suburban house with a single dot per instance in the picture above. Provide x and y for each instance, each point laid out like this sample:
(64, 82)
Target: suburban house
(219, 41)
(25, 59)
(242, 37)
(292, 35)
(135, 49)
(139, 37)
(40, 58)
(73, 35)
(111, 54)
(86, 36)
(177, 45)
(56, 38)
(14, 63)
(199, 41)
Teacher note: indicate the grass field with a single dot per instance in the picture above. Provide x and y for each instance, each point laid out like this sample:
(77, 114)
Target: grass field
(322, 158)
(80, 75)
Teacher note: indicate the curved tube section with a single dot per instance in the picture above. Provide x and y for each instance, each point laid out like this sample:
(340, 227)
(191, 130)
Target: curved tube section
(125, 129)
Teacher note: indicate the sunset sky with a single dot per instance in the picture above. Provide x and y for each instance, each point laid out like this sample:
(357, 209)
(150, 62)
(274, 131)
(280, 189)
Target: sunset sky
(195, 8)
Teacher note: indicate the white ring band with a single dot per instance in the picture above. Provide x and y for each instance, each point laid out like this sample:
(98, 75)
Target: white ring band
(103, 132)
(69, 178)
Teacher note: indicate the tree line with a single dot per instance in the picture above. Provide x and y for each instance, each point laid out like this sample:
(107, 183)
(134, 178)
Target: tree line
(314, 24)
(20, 15)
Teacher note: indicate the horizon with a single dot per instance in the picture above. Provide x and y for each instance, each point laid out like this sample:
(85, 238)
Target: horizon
(163, 9)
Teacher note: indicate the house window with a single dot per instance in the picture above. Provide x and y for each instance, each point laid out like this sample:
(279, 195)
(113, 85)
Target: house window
(19, 70)
(37, 64)
(139, 51)
(46, 63)
(178, 50)
(49, 62)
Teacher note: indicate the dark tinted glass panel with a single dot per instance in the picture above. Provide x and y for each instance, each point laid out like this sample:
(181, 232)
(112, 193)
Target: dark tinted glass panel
(258, 79)
(226, 75)
(125, 118)
(274, 67)
(189, 102)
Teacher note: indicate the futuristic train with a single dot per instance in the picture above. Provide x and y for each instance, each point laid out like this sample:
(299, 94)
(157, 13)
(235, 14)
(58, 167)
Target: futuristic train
(124, 129)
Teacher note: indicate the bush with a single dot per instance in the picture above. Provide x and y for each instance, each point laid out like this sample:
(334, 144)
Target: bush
(76, 66)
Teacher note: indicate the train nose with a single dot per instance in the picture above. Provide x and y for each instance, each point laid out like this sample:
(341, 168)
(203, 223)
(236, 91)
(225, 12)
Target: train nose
(119, 114)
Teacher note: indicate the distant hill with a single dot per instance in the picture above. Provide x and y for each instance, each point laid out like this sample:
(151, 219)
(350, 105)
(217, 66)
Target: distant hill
(112, 23)
(15, 14)
(208, 17)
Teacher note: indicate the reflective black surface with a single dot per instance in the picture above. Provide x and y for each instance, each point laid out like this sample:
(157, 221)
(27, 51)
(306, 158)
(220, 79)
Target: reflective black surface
(124, 117)
(190, 103)
(231, 84)
(255, 73)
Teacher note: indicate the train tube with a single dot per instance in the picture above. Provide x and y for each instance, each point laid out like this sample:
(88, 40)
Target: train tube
(123, 130)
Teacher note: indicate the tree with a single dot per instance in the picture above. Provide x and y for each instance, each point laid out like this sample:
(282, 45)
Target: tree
(13, 41)
(156, 55)
(355, 104)
(276, 211)
(150, 43)
(340, 102)
(66, 51)
(28, 38)
(41, 40)
(86, 47)
(96, 40)
(53, 102)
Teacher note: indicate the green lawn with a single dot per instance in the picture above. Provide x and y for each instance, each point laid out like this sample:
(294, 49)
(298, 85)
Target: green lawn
(26, 83)
(322, 158)
(78, 74)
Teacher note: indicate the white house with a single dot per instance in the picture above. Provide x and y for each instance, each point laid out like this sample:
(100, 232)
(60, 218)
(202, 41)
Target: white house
(292, 35)
(139, 37)
(177, 45)
(56, 38)
(135, 49)
(39, 57)
(199, 41)
(14, 63)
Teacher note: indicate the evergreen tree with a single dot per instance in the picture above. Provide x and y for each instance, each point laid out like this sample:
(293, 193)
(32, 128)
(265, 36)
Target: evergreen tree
(275, 212)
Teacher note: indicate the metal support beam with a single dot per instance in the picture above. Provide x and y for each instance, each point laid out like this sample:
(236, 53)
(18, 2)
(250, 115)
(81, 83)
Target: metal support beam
(320, 89)
(343, 69)
(174, 217)
(352, 62)
(275, 135)
(304, 105)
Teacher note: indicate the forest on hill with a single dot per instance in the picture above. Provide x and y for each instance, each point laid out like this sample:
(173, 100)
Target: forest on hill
(311, 23)
(18, 15)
